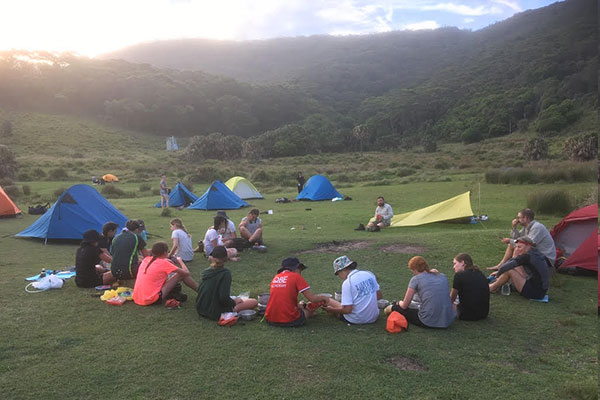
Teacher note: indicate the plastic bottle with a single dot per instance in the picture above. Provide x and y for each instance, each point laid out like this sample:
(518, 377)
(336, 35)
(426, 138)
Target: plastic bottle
(505, 290)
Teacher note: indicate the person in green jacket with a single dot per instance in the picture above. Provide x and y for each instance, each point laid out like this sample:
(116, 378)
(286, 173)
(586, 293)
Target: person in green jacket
(213, 293)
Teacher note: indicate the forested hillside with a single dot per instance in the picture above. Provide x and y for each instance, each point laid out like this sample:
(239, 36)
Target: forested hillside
(535, 72)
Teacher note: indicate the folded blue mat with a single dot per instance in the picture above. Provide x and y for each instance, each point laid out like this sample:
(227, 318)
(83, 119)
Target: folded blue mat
(65, 274)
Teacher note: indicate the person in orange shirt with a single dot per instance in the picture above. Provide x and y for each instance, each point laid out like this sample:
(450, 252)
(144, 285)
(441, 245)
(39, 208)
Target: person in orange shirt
(158, 278)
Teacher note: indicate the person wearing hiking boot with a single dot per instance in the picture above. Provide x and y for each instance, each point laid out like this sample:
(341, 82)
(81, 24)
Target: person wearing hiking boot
(283, 308)
(214, 290)
(383, 216)
(159, 279)
(533, 229)
(527, 270)
(251, 228)
(124, 251)
(360, 292)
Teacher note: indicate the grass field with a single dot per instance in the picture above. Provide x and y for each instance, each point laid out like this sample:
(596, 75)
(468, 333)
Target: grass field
(68, 344)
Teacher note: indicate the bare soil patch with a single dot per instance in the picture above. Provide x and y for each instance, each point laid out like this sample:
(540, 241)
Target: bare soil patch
(338, 246)
(407, 364)
(403, 248)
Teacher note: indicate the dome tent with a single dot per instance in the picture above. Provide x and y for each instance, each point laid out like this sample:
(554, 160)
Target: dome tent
(180, 196)
(78, 209)
(243, 188)
(218, 197)
(7, 207)
(318, 188)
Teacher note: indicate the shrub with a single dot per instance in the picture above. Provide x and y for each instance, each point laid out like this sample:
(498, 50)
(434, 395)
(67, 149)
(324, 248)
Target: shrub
(441, 165)
(7, 128)
(57, 174)
(26, 190)
(145, 187)
(112, 191)
(58, 192)
(535, 149)
(555, 202)
(259, 175)
(38, 174)
(429, 144)
(404, 172)
(582, 147)
(12, 191)
(23, 176)
(6, 181)
(518, 176)
(205, 174)
(8, 163)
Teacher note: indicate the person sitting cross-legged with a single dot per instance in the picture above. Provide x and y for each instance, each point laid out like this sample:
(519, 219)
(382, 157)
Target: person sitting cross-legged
(527, 270)
(251, 227)
(158, 278)
(214, 291)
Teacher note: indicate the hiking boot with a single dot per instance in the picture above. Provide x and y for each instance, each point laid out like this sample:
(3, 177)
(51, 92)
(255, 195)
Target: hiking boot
(360, 227)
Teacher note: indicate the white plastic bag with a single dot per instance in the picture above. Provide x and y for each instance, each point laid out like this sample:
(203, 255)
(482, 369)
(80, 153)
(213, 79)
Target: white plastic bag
(46, 283)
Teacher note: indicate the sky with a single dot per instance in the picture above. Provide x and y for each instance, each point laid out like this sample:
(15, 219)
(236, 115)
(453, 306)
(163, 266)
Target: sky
(93, 27)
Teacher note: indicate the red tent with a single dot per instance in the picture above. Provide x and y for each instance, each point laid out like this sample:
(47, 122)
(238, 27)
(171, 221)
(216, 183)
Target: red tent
(577, 237)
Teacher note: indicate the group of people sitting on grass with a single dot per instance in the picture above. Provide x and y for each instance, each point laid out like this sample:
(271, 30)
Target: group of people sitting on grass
(427, 302)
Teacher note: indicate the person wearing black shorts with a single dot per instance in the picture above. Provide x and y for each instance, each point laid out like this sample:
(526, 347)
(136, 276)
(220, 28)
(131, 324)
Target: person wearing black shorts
(528, 271)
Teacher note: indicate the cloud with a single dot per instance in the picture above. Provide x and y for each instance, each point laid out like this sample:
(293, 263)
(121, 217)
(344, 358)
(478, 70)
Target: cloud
(510, 4)
(468, 20)
(417, 26)
(461, 9)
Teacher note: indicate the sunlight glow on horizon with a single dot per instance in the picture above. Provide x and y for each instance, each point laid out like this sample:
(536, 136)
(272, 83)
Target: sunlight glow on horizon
(90, 27)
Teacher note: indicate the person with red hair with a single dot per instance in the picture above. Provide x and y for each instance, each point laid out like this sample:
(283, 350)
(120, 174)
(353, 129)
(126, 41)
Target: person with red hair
(434, 309)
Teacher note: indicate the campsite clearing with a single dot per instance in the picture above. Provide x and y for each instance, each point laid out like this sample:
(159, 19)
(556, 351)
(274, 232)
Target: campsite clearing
(68, 344)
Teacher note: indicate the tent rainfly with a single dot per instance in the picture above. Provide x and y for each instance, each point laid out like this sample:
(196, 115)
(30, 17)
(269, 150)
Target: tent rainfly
(576, 236)
(243, 188)
(454, 208)
(78, 209)
(110, 178)
(318, 188)
(180, 196)
(218, 197)
(7, 207)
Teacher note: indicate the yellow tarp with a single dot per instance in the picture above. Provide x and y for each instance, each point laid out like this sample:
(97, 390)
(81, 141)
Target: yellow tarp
(110, 178)
(456, 207)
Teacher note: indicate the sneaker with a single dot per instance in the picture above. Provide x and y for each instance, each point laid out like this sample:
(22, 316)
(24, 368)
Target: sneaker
(171, 304)
(360, 227)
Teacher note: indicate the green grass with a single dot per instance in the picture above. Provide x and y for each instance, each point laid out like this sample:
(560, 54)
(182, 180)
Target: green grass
(527, 349)
(68, 344)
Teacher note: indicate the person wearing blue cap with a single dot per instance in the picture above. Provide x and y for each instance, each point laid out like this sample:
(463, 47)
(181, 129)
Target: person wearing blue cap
(360, 292)
(283, 308)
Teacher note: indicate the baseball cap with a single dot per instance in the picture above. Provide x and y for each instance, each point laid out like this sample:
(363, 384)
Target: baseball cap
(291, 264)
(91, 235)
(526, 239)
(342, 262)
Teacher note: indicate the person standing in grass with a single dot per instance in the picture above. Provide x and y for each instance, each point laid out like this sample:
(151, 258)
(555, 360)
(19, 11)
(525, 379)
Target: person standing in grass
(158, 278)
(470, 286)
(214, 290)
(182, 241)
(164, 192)
(301, 181)
(283, 308)
(89, 273)
(532, 229)
(360, 292)
(251, 227)
(527, 270)
(431, 286)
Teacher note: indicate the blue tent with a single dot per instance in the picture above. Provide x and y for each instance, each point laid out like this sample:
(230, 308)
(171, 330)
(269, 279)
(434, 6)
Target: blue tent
(78, 209)
(180, 196)
(318, 188)
(218, 197)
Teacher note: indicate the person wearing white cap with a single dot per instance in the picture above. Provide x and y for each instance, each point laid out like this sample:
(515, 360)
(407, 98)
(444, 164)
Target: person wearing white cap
(360, 292)
(527, 270)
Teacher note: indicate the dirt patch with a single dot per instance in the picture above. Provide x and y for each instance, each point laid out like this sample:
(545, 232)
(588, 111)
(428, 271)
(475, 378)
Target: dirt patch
(407, 364)
(403, 248)
(338, 247)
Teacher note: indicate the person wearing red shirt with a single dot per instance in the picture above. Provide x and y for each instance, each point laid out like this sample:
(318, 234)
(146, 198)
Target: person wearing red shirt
(283, 308)
(157, 277)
